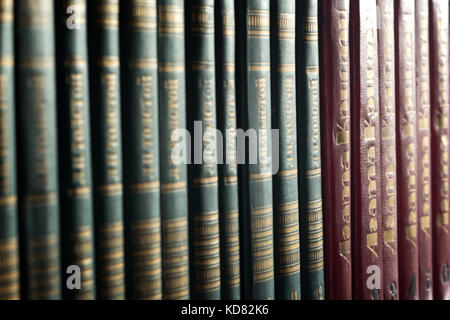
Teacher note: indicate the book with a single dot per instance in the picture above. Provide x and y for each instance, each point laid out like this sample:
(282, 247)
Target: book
(201, 97)
(37, 138)
(423, 151)
(367, 231)
(406, 149)
(107, 148)
(335, 102)
(9, 229)
(228, 172)
(439, 94)
(254, 107)
(77, 216)
(388, 147)
(141, 150)
(173, 171)
(204, 180)
(309, 151)
(285, 190)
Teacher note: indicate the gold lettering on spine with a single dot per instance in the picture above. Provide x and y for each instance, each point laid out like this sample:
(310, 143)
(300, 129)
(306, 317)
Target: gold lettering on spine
(77, 124)
(258, 24)
(424, 125)
(173, 87)
(443, 124)
(343, 132)
(148, 157)
(113, 162)
(408, 128)
(370, 135)
(389, 235)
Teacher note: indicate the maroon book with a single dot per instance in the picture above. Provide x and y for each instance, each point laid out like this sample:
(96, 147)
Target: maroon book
(336, 142)
(423, 151)
(408, 252)
(388, 163)
(439, 101)
(367, 230)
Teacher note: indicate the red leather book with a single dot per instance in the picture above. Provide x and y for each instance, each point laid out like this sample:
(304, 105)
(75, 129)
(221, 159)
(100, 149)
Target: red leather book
(388, 163)
(406, 149)
(439, 83)
(336, 141)
(367, 231)
(423, 151)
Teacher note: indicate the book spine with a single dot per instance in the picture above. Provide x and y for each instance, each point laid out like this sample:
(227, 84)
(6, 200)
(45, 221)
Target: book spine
(38, 140)
(439, 84)
(107, 150)
(9, 232)
(310, 173)
(255, 101)
(141, 150)
(408, 255)
(336, 146)
(367, 243)
(286, 204)
(172, 103)
(75, 153)
(228, 172)
(423, 151)
(204, 182)
(388, 148)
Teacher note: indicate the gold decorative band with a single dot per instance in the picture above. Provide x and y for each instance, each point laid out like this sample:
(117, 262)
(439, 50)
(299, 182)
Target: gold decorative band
(314, 173)
(110, 189)
(80, 192)
(38, 62)
(145, 187)
(150, 63)
(6, 60)
(42, 199)
(174, 187)
(8, 200)
(208, 181)
(171, 67)
(288, 67)
(108, 61)
(203, 65)
(75, 62)
(261, 66)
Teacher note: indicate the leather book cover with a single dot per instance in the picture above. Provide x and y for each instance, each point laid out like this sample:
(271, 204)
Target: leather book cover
(139, 53)
(309, 151)
(439, 84)
(285, 191)
(228, 172)
(336, 140)
(388, 164)
(203, 174)
(255, 110)
(367, 246)
(9, 215)
(107, 161)
(173, 174)
(405, 76)
(424, 194)
(77, 212)
(37, 139)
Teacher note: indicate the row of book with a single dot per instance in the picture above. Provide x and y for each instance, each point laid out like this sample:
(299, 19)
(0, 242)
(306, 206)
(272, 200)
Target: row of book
(94, 206)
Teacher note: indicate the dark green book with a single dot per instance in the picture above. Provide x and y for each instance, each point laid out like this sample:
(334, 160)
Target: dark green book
(228, 172)
(141, 150)
(285, 193)
(204, 181)
(38, 176)
(255, 109)
(77, 220)
(173, 171)
(310, 172)
(107, 148)
(9, 232)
